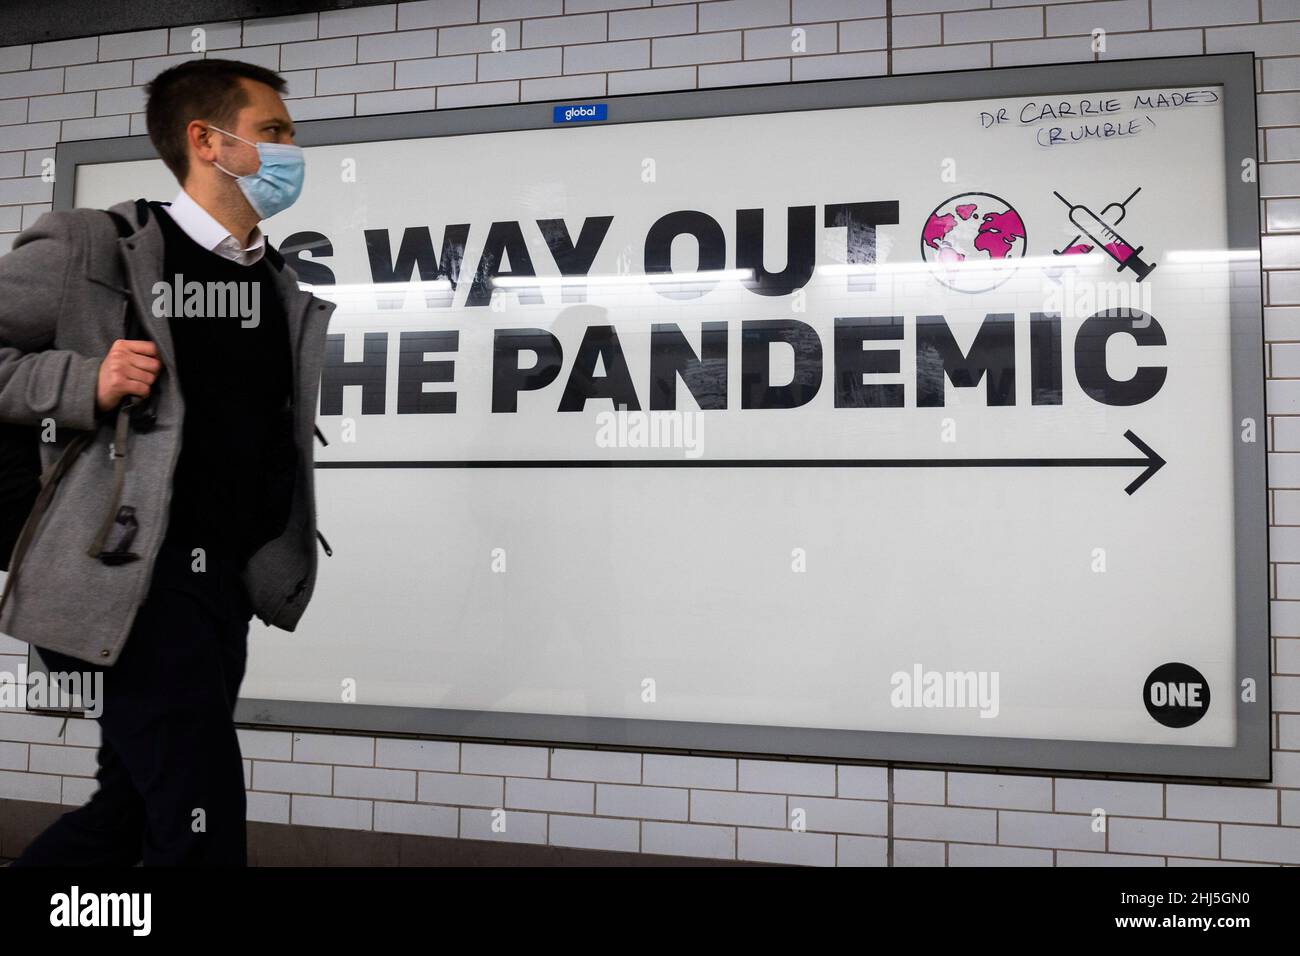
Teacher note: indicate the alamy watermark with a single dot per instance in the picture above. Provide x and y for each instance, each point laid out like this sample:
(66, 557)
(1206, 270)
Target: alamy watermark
(946, 689)
(90, 909)
(658, 429)
(208, 300)
(1074, 297)
(57, 690)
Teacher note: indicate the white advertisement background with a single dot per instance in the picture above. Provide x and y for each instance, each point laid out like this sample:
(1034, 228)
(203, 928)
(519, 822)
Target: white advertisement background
(683, 576)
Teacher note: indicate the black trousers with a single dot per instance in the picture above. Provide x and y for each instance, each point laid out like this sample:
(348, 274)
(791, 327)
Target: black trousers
(171, 778)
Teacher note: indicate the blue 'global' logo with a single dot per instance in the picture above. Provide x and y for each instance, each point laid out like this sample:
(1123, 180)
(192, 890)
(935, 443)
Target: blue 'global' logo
(579, 113)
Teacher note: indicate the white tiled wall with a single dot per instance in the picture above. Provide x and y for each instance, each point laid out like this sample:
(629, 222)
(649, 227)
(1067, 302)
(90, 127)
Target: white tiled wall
(438, 54)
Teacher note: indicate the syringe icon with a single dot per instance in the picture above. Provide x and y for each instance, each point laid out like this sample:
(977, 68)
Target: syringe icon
(1096, 229)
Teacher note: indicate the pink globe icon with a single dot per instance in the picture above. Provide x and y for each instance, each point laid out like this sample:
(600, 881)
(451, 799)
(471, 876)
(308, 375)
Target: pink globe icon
(971, 241)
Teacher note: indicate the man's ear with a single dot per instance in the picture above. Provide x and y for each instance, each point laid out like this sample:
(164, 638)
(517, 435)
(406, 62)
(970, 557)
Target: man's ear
(200, 138)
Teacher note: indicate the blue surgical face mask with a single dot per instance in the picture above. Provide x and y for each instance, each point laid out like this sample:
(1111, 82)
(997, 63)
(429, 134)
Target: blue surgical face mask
(276, 183)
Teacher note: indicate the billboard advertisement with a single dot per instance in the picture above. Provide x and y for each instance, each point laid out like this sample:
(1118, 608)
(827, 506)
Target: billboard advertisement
(912, 418)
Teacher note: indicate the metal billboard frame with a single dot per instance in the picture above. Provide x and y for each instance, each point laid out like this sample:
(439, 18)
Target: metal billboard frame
(1249, 758)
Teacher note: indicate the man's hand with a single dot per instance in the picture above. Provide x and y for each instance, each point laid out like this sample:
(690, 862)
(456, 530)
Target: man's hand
(129, 368)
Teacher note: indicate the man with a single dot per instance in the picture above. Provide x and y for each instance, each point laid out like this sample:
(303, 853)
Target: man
(217, 518)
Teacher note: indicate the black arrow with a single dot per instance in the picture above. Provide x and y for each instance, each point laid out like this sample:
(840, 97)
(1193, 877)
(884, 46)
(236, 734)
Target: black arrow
(1152, 461)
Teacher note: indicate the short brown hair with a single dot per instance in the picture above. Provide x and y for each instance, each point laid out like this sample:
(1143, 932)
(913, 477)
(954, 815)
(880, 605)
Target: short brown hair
(197, 89)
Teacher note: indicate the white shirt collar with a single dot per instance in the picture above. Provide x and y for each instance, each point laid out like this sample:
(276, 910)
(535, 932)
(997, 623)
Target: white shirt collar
(199, 225)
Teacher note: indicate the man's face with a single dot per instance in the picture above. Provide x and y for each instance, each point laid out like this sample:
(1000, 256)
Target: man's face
(263, 120)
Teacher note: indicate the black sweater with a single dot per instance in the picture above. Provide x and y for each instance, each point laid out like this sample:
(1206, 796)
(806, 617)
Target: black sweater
(234, 478)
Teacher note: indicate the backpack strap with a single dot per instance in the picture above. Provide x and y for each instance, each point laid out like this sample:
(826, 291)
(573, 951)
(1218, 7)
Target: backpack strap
(123, 516)
(133, 413)
(134, 328)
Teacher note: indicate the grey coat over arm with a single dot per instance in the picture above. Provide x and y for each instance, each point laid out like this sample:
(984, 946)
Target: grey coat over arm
(63, 290)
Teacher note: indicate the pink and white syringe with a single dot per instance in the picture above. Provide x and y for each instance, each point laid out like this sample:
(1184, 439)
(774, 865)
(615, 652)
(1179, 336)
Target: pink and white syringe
(1105, 236)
